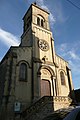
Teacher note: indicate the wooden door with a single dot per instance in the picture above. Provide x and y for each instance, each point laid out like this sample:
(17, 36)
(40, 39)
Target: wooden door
(45, 88)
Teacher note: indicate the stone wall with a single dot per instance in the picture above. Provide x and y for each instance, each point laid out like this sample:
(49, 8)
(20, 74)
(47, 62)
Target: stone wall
(44, 107)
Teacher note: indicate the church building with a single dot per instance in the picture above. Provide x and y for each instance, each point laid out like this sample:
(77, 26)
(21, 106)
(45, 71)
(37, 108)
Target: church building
(32, 76)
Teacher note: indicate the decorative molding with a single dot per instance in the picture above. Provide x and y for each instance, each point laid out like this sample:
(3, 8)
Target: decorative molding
(62, 99)
(48, 68)
(62, 71)
(24, 61)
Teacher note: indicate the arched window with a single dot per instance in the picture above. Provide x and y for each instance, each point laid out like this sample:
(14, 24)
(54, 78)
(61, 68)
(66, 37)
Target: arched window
(41, 22)
(62, 78)
(23, 72)
(38, 21)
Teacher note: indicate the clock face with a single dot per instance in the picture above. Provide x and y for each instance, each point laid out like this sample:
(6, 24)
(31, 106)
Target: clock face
(43, 45)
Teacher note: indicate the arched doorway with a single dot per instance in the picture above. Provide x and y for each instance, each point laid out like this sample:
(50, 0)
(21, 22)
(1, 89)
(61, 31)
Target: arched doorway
(46, 81)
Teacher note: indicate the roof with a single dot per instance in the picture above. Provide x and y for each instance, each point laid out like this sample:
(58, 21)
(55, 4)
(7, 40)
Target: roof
(61, 58)
(40, 8)
(33, 4)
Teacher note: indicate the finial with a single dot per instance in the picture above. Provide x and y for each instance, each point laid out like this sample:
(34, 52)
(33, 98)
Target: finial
(35, 2)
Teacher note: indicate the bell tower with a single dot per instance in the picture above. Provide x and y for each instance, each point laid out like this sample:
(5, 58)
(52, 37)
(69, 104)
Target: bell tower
(43, 42)
(37, 34)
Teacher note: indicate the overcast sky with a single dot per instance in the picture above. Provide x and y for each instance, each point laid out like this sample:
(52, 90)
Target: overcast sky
(64, 22)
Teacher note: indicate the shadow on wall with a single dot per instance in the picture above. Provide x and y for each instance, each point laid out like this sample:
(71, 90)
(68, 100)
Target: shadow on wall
(73, 97)
(77, 96)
